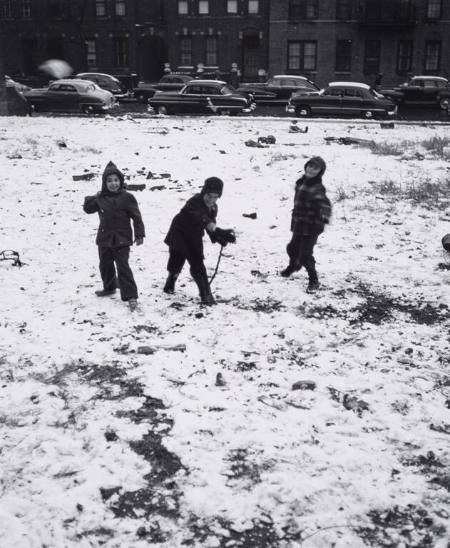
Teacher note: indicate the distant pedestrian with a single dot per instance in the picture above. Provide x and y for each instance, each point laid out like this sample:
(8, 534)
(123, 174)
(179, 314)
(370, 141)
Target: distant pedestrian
(377, 81)
(116, 207)
(185, 237)
(312, 210)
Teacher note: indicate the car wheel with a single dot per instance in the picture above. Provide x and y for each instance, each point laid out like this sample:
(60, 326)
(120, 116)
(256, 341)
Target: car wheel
(444, 103)
(162, 109)
(88, 109)
(303, 111)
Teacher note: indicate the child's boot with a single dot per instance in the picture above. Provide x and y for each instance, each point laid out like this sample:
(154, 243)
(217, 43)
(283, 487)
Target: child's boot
(105, 292)
(312, 286)
(206, 296)
(290, 269)
(170, 283)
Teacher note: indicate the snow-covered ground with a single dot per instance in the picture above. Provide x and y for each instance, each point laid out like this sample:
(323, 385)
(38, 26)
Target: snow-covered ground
(105, 446)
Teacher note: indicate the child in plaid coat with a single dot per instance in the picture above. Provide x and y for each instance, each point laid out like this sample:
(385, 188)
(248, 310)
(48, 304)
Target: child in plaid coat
(312, 210)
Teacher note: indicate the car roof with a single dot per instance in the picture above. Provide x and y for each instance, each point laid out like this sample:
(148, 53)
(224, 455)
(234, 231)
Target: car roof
(221, 82)
(73, 82)
(291, 76)
(349, 84)
(95, 74)
(430, 78)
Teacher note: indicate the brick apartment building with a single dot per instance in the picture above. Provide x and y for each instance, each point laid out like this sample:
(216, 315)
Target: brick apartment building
(323, 39)
(212, 35)
(357, 39)
(113, 36)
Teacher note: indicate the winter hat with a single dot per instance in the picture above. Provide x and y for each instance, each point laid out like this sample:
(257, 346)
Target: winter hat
(109, 170)
(214, 185)
(446, 242)
(319, 162)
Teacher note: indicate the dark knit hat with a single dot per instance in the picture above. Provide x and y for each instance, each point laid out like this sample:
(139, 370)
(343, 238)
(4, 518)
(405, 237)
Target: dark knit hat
(214, 185)
(109, 170)
(446, 242)
(319, 162)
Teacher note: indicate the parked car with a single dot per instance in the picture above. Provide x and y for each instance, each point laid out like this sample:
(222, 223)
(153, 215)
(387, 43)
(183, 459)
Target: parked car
(202, 97)
(169, 82)
(71, 95)
(278, 89)
(342, 99)
(104, 81)
(422, 91)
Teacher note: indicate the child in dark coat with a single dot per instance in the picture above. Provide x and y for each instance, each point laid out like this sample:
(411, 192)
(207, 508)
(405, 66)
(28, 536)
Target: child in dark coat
(185, 237)
(115, 208)
(312, 210)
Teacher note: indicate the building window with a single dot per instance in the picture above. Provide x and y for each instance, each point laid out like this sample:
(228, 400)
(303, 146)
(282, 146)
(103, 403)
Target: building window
(211, 51)
(343, 56)
(183, 7)
(100, 8)
(303, 9)
(253, 7)
(232, 6)
(203, 7)
(404, 56)
(434, 8)
(372, 57)
(54, 8)
(5, 9)
(26, 9)
(432, 56)
(344, 9)
(120, 52)
(120, 8)
(186, 51)
(302, 55)
(91, 53)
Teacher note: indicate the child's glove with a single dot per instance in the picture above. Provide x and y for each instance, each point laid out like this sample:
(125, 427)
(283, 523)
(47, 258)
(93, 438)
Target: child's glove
(224, 236)
(139, 241)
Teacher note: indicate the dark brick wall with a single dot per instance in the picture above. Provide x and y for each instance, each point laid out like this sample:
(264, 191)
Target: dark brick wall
(153, 30)
(326, 30)
(29, 37)
(242, 38)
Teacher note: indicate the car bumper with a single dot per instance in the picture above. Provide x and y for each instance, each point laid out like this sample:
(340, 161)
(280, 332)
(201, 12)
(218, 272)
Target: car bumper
(290, 109)
(392, 113)
(249, 109)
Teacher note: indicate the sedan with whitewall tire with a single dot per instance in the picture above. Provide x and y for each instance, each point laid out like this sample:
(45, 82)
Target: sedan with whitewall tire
(202, 97)
(71, 95)
(342, 99)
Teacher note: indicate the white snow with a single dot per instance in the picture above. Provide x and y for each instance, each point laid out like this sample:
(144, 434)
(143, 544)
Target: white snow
(312, 466)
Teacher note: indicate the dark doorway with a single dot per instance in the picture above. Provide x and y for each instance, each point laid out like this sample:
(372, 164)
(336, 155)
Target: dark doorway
(29, 55)
(251, 55)
(55, 48)
(151, 56)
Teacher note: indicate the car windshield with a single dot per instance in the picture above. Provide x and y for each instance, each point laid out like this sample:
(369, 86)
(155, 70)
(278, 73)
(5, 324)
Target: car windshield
(227, 90)
(375, 94)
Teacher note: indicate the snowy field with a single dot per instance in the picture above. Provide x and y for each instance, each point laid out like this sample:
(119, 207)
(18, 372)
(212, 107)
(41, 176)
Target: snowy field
(103, 445)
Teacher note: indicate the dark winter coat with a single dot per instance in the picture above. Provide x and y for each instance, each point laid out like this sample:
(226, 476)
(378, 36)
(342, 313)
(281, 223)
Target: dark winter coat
(188, 226)
(115, 210)
(312, 208)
